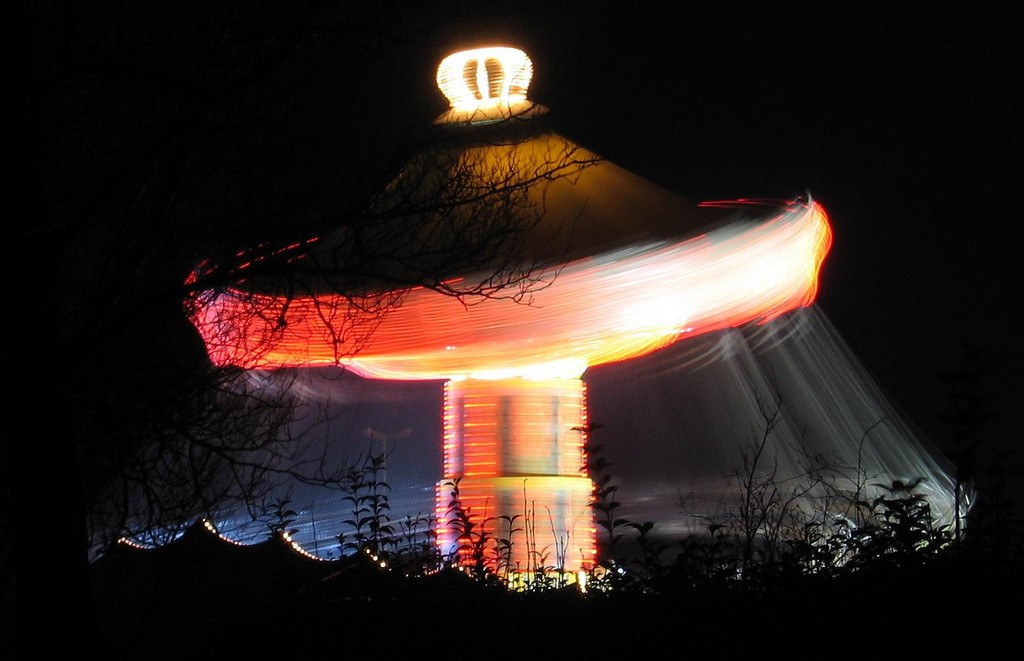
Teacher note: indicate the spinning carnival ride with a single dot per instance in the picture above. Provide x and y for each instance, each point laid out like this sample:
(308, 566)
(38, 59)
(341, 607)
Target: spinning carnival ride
(617, 268)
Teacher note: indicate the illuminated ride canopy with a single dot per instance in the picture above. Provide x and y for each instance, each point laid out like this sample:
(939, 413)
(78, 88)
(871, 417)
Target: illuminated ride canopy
(619, 269)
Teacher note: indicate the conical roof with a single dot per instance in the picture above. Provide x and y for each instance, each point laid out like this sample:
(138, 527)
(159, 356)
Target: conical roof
(495, 170)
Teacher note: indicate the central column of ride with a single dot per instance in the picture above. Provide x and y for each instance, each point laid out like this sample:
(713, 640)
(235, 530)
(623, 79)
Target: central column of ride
(516, 495)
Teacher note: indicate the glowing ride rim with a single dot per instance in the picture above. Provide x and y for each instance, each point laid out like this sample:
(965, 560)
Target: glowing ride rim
(613, 306)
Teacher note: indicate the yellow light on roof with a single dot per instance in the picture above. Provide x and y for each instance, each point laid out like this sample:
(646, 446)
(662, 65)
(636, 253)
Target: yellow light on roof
(485, 77)
(485, 84)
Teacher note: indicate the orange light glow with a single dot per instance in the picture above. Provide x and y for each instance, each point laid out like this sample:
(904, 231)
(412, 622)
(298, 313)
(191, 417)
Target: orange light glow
(609, 307)
(516, 449)
(485, 84)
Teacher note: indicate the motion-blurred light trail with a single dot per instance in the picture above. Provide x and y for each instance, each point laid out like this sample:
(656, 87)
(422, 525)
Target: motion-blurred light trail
(605, 308)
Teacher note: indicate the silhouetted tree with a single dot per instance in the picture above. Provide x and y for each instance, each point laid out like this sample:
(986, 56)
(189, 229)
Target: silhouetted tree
(224, 133)
(984, 473)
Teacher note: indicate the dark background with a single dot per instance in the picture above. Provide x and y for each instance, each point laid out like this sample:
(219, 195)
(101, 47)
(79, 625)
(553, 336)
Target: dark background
(899, 119)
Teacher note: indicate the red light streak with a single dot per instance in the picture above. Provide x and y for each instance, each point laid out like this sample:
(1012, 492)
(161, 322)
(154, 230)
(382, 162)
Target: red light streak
(612, 306)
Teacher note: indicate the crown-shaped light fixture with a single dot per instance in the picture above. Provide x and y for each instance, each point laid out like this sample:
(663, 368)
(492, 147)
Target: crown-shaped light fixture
(486, 85)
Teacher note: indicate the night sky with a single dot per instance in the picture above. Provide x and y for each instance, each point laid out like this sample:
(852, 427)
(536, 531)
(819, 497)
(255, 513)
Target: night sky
(898, 120)
(899, 123)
